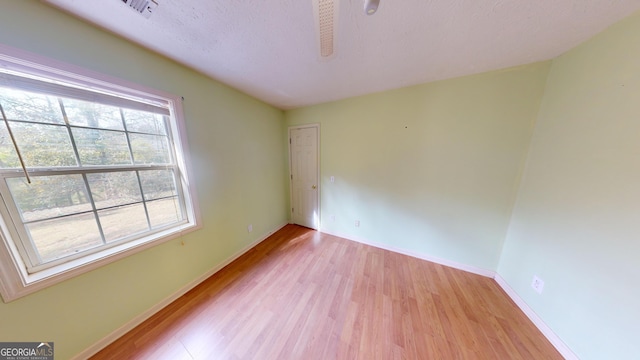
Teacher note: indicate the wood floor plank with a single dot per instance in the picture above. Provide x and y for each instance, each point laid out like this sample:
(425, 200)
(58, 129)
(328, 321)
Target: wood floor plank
(305, 295)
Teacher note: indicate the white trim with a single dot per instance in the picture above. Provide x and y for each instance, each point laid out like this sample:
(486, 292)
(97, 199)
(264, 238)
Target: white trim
(15, 59)
(318, 197)
(14, 285)
(184, 161)
(47, 86)
(433, 259)
(555, 340)
(131, 324)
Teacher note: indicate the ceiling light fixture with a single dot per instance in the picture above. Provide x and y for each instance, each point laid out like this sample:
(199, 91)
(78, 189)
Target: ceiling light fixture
(326, 17)
(371, 6)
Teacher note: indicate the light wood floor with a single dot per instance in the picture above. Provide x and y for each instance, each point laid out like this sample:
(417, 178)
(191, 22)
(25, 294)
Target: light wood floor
(305, 295)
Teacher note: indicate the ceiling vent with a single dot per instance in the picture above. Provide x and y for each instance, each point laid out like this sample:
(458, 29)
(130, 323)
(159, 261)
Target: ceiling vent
(144, 7)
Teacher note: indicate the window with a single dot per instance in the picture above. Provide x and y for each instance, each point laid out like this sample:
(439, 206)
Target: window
(89, 170)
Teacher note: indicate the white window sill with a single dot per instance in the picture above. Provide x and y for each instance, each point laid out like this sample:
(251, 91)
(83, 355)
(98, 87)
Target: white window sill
(14, 284)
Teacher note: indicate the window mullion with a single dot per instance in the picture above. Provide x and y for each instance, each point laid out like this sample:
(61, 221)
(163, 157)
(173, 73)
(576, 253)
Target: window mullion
(144, 202)
(86, 170)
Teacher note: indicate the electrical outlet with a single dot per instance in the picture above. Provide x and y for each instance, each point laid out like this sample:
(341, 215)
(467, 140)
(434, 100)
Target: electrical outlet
(537, 284)
(357, 223)
(333, 218)
(250, 228)
(333, 179)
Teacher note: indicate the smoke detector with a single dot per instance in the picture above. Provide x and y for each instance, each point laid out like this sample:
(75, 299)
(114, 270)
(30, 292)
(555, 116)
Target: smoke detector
(143, 7)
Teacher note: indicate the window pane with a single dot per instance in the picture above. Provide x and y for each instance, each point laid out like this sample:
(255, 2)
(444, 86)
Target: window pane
(94, 115)
(146, 122)
(158, 184)
(8, 157)
(101, 147)
(150, 149)
(49, 196)
(113, 189)
(22, 105)
(121, 222)
(65, 236)
(163, 212)
(44, 145)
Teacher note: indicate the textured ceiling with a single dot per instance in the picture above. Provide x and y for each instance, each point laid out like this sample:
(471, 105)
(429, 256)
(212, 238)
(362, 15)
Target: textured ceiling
(269, 49)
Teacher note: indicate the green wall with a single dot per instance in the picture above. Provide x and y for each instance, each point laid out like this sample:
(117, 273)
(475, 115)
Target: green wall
(433, 169)
(430, 169)
(236, 145)
(576, 222)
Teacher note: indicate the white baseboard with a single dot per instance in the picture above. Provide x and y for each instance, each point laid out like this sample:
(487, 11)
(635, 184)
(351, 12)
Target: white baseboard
(433, 259)
(130, 325)
(562, 348)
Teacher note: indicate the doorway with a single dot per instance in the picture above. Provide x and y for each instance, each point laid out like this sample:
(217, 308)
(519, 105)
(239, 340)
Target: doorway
(304, 174)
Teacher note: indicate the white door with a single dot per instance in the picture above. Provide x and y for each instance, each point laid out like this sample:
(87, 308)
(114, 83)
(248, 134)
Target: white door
(304, 176)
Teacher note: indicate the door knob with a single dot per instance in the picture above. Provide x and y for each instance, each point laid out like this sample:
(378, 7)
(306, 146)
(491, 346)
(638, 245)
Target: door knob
(313, 187)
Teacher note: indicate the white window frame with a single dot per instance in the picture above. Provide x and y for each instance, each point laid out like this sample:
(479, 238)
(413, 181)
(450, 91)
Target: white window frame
(15, 281)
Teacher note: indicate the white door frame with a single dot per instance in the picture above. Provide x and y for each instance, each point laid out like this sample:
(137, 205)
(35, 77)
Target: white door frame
(317, 127)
